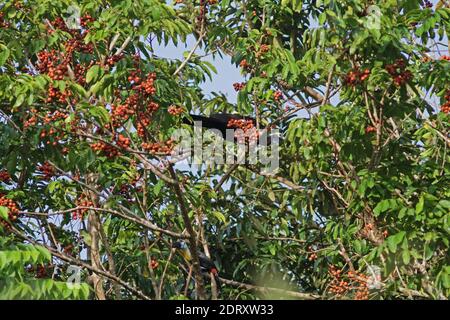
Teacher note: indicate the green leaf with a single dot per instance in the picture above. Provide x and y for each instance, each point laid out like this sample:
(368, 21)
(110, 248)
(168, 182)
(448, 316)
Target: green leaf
(4, 213)
(220, 216)
(93, 74)
(4, 54)
(420, 204)
(100, 113)
(271, 196)
(406, 256)
(394, 240)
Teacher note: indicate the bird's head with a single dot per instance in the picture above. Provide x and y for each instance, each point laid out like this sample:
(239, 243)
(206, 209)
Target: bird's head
(179, 245)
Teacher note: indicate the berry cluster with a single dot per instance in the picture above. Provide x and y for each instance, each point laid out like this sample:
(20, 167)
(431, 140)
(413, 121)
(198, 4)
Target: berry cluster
(77, 41)
(4, 176)
(123, 142)
(341, 284)
(80, 71)
(126, 188)
(398, 72)
(356, 76)
(277, 95)
(143, 90)
(134, 77)
(238, 86)
(121, 113)
(147, 86)
(3, 23)
(246, 66)
(338, 285)
(12, 206)
(50, 63)
(445, 108)
(55, 116)
(57, 23)
(446, 58)
(108, 150)
(56, 64)
(77, 44)
(246, 130)
(31, 121)
(41, 271)
(159, 147)
(312, 254)
(47, 170)
(262, 50)
(51, 137)
(54, 94)
(111, 61)
(82, 202)
(175, 110)
(240, 124)
(153, 263)
(86, 19)
(143, 122)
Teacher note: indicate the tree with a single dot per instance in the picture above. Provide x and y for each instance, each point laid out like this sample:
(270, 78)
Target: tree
(359, 207)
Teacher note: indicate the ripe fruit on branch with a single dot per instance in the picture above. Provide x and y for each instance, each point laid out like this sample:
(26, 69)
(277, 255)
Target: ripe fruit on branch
(82, 202)
(108, 150)
(445, 108)
(277, 95)
(55, 116)
(344, 283)
(143, 121)
(54, 94)
(356, 76)
(312, 254)
(246, 130)
(398, 72)
(12, 206)
(4, 176)
(3, 23)
(123, 141)
(154, 264)
(147, 85)
(238, 86)
(47, 170)
(245, 65)
(85, 20)
(111, 61)
(159, 147)
(175, 110)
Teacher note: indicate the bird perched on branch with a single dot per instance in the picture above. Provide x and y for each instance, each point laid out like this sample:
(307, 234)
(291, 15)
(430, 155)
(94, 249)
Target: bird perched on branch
(224, 121)
(218, 121)
(206, 264)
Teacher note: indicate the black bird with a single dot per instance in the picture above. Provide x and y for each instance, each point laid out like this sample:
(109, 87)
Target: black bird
(206, 264)
(217, 121)
(221, 122)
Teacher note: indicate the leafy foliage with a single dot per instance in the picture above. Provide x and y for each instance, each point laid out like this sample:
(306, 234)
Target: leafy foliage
(358, 209)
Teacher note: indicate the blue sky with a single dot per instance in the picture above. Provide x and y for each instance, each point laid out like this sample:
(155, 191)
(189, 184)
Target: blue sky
(227, 73)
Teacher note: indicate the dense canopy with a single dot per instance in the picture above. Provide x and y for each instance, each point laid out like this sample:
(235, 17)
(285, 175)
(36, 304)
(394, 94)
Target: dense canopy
(91, 205)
